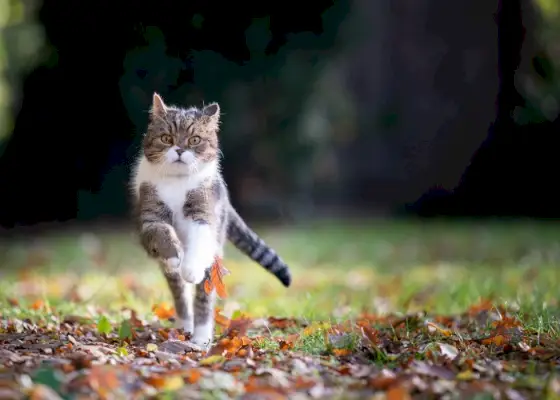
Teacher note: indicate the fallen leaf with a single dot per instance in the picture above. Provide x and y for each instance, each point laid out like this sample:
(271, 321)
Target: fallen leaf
(163, 310)
(341, 352)
(397, 393)
(37, 305)
(382, 381)
(215, 359)
(166, 382)
(220, 319)
(122, 351)
(448, 350)
(498, 340)
(193, 375)
(433, 327)
(103, 379)
(466, 375)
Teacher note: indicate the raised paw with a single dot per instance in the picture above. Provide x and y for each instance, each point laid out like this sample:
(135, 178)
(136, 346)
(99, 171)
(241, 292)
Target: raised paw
(173, 264)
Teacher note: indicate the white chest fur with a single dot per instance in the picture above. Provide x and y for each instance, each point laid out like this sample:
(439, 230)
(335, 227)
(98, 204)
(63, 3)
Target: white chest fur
(172, 190)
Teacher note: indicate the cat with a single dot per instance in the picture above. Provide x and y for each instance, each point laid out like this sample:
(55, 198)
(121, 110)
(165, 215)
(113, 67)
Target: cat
(183, 212)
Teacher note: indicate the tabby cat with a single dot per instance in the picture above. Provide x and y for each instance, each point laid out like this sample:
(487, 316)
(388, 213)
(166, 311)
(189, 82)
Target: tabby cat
(183, 212)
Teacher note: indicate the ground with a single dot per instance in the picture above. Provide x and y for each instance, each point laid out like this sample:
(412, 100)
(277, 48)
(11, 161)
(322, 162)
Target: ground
(383, 310)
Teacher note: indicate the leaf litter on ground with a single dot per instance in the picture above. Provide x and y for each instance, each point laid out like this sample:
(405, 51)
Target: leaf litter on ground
(483, 350)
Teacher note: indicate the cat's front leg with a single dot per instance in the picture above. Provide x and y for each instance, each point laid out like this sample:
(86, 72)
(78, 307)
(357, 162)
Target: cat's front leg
(157, 235)
(201, 244)
(161, 242)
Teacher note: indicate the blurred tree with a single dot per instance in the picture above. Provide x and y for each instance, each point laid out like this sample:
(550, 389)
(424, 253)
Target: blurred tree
(540, 82)
(21, 40)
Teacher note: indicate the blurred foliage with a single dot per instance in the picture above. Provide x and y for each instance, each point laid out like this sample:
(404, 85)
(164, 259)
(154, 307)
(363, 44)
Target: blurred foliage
(280, 109)
(21, 38)
(541, 88)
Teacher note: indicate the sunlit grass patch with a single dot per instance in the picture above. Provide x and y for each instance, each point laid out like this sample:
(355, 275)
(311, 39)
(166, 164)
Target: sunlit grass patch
(339, 271)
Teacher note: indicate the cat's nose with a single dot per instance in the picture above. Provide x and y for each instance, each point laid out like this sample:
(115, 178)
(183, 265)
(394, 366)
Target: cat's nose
(179, 151)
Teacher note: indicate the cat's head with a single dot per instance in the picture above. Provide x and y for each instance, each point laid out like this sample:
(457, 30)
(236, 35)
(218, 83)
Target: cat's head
(182, 140)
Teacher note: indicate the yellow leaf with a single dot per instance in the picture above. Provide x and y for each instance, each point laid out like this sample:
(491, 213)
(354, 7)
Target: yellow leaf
(173, 382)
(168, 382)
(467, 375)
(215, 359)
(151, 347)
(314, 327)
(433, 327)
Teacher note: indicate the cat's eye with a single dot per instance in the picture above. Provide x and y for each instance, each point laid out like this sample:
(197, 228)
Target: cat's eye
(194, 140)
(167, 139)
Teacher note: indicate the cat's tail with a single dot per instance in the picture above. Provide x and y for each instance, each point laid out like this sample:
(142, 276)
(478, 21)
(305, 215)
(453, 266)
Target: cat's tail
(252, 245)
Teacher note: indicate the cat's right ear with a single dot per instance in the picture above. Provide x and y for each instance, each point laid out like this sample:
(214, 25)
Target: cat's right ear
(158, 106)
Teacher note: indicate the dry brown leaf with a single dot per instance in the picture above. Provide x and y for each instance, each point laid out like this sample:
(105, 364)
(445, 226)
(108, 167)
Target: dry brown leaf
(341, 352)
(220, 319)
(215, 280)
(282, 323)
(397, 393)
(498, 340)
(103, 379)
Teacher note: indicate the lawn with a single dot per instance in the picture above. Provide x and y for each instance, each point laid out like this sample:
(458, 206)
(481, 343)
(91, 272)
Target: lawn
(384, 309)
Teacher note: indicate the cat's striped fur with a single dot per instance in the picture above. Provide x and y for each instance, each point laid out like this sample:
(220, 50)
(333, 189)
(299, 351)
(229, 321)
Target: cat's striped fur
(183, 211)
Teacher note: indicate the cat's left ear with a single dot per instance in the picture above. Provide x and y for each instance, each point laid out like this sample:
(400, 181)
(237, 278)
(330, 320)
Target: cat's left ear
(212, 112)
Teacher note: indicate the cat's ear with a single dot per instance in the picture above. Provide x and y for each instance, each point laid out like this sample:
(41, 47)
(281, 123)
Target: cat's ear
(212, 111)
(158, 106)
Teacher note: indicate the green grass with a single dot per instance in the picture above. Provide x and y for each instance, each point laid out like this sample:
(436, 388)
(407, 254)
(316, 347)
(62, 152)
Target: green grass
(339, 270)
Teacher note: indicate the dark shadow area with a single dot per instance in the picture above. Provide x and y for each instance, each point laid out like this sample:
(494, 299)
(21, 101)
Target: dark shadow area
(414, 122)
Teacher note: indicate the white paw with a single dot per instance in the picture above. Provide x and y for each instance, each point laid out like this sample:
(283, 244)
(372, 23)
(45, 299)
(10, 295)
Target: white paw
(203, 335)
(202, 341)
(193, 272)
(186, 325)
(173, 264)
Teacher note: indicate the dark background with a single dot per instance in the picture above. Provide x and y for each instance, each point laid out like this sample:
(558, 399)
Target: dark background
(391, 107)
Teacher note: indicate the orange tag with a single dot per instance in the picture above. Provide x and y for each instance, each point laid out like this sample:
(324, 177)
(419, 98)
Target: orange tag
(217, 272)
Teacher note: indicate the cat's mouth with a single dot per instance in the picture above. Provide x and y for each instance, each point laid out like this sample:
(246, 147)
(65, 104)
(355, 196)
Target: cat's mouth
(178, 161)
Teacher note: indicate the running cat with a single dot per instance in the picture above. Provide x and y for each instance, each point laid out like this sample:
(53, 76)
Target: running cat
(183, 212)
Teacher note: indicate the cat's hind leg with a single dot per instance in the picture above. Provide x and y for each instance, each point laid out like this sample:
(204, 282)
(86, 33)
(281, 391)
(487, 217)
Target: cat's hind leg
(203, 316)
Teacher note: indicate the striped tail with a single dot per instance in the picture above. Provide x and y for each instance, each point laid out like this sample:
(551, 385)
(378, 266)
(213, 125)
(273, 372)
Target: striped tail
(252, 245)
